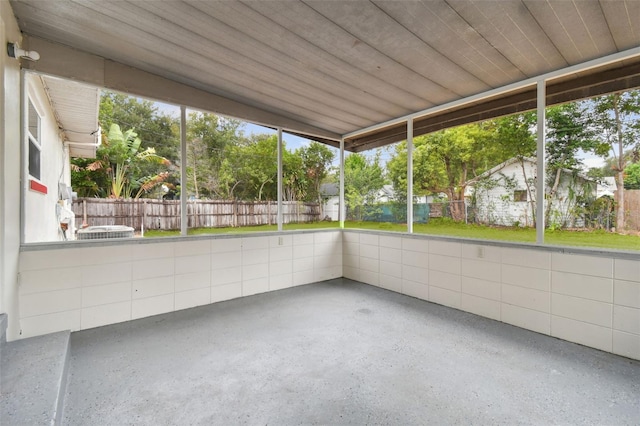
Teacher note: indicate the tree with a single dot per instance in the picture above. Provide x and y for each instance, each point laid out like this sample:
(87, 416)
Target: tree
(120, 157)
(446, 161)
(207, 137)
(614, 121)
(632, 176)
(316, 160)
(256, 167)
(568, 132)
(294, 179)
(156, 130)
(363, 178)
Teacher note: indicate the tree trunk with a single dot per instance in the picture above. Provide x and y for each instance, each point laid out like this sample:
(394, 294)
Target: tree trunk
(195, 183)
(552, 193)
(620, 201)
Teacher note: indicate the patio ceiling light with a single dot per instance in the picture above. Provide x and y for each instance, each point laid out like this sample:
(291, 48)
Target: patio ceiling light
(14, 51)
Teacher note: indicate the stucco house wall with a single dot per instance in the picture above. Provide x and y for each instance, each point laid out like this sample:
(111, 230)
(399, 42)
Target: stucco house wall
(9, 171)
(42, 218)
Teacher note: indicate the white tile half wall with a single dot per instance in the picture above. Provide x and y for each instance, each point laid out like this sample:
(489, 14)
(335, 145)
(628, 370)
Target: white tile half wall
(79, 286)
(583, 296)
(587, 298)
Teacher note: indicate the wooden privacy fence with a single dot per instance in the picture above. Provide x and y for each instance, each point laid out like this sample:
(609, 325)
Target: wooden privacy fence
(165, 214)
(632, 209)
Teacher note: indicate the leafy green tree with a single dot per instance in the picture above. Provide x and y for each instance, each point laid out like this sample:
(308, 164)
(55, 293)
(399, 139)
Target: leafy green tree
(120, 157)
(446, 161)
(294, 179)
(207, 137)
(568, 132)
(614, 120)
(632, 176)
(363, 178)
(316, 161)
(249, 169)
(157, 130)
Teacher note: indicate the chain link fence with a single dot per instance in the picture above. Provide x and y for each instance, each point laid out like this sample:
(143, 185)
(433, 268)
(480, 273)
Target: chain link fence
(597, 214)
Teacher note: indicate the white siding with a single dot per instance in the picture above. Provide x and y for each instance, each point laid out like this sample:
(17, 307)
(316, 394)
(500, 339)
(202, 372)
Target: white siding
(41, 218)
(495, 202)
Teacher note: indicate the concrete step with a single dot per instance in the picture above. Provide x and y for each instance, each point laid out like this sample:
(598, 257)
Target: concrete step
(3, 331)
(3, 338)
(33, 375)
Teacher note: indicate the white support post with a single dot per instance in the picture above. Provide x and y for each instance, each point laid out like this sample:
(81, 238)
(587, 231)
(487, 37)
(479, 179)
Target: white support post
(184, 194)
(540, 162)
(410, 175)
(343, 210)
(24, 154)
(279, 219)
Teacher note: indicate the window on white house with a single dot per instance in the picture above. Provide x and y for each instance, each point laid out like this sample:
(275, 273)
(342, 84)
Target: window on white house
(34, 142)
(520, 195)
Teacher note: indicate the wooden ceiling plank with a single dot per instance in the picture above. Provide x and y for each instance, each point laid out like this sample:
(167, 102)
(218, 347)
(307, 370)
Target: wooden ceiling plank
(222, 39)
(503, 24)
(281, 41)
(227, 65)
(364, 20)
(322, 32)
(624, 24)
(446, 29)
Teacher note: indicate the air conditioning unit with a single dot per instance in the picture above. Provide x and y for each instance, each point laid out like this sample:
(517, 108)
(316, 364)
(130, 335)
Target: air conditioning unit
(105, 232)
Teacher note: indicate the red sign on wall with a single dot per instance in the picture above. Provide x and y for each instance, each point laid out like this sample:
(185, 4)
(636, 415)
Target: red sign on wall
(36, 186)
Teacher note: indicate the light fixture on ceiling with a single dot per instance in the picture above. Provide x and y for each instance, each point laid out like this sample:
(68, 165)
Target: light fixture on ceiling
(14, 51)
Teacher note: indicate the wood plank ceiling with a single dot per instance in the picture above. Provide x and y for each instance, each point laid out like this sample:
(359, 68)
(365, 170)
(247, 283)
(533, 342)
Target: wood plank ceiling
(342, 66)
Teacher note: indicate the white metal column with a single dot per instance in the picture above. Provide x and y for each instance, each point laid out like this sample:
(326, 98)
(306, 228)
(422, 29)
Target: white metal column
(184, 193)
(279, 219)
(24, 154)
(540, 162)
(410, 175)
(343, 210)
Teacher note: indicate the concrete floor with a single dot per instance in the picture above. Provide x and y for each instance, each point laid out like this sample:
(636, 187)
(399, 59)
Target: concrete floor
(340, 352)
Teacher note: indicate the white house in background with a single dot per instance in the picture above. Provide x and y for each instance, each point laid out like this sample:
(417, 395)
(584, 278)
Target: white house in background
(330, 193)
(62, 123)
(506, 195)
(607, 187)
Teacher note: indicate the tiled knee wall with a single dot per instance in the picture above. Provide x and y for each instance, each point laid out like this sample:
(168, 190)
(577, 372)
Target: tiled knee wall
(587, 299)
(82, 286)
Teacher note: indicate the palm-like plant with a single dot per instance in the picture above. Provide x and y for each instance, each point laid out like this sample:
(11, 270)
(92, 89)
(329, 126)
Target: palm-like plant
(120, 157)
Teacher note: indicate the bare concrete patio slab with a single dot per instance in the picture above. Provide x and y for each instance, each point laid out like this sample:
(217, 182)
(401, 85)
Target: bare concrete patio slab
(340, 352)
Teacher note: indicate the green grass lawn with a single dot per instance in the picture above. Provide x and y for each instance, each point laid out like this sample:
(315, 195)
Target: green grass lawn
(444, 227)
